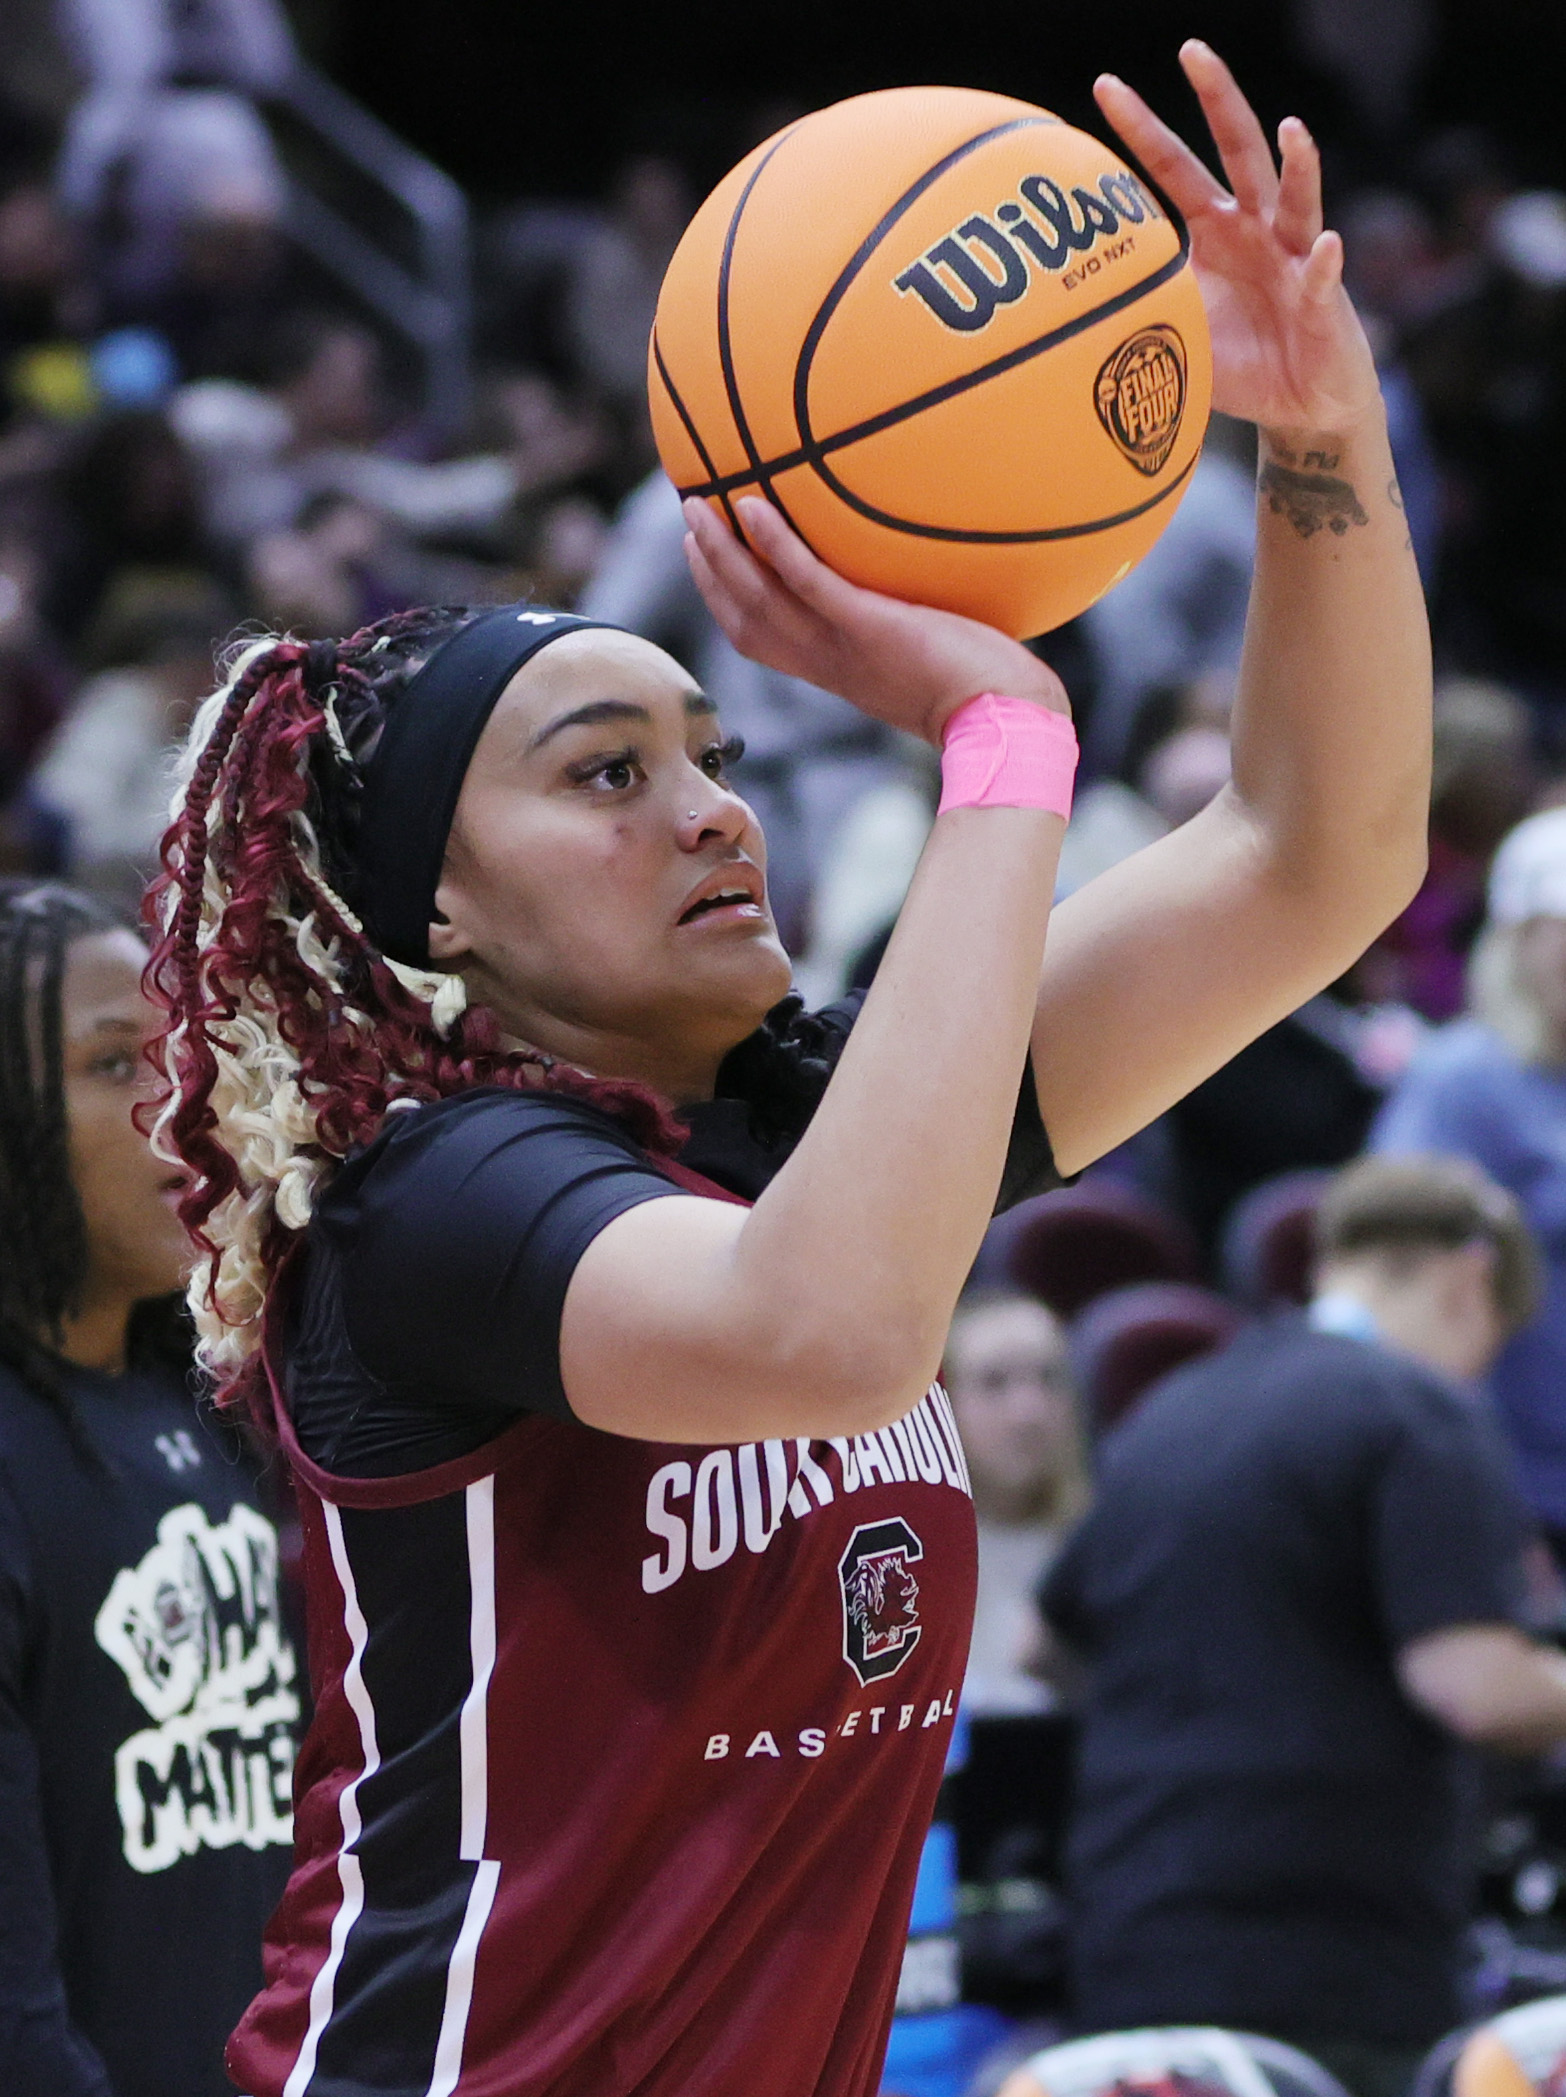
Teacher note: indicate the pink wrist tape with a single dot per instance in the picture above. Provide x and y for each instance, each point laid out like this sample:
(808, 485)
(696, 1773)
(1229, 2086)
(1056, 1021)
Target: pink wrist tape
(1007, 753)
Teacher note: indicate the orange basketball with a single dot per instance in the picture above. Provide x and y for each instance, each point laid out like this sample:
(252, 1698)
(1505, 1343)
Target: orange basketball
(956, 342)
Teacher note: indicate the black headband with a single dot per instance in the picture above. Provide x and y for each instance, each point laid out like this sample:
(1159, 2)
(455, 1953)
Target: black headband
(412, 782)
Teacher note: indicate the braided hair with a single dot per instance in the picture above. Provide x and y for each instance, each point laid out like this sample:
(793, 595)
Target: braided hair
(289, 1034)
(43, 1233)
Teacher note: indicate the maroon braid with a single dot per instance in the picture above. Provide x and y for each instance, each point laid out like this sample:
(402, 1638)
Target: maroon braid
(244, 899)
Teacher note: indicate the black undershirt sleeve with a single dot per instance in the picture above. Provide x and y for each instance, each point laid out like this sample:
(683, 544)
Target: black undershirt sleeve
(426, 1315)
(458, 1241)
(1030, 1161)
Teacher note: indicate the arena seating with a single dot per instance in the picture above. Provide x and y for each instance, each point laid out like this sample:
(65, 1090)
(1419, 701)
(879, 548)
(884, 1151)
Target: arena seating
(1127, 1338)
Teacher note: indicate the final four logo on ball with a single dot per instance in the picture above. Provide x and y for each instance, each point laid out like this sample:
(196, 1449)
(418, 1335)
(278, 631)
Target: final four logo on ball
(1141, 396)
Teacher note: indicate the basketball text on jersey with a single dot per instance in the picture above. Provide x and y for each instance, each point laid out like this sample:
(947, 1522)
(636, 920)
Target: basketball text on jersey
(866, 1723)
(196, 1629)
(701, 1513)
(1048, 235)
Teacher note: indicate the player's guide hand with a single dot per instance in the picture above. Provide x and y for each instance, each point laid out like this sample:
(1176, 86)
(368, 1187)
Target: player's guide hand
(1289, 353)
(906, 664)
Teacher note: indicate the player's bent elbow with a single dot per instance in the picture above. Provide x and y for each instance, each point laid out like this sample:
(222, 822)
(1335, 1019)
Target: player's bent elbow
(1402, 876)
(1335, 912)
(1370, 888)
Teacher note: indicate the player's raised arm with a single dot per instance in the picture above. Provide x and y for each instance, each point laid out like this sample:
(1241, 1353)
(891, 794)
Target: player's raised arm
(826, 1308)
(1164, 967)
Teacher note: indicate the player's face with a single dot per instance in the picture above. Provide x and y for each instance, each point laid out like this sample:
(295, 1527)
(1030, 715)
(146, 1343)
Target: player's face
(135, 1244)
(605, 887)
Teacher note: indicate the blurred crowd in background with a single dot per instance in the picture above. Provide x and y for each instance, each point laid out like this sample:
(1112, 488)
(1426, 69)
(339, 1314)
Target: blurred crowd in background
(207, 427)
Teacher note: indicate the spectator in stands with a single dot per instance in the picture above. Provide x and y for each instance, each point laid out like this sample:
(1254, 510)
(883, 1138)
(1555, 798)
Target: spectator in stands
(1482, 783)
(1302, 1095)
(326, 574)
(165, 142)
(1490, 367)
(1300, 1590)
(107, 775)
(562, 549)
(147, 1695)
(34, 692)
(1389, 259)
(612, 290)
(131, 507)
(1009, 1379)
(318, 426)
(1176, 757)
(45, 305)
(1492, 1087)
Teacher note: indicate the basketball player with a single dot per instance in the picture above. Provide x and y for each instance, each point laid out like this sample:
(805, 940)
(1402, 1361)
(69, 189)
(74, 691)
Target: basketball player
(598, 1317)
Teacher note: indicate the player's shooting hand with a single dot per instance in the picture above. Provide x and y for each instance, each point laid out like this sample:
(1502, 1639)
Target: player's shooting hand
(906, 664)
(1288, 349)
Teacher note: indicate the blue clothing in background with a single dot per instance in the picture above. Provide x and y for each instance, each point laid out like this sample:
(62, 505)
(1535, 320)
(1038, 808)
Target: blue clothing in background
(1466, 1094)
(937, 2040)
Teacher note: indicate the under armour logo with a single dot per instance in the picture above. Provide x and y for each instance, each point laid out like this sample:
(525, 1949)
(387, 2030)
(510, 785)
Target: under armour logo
(537, 618)
(177, 1450)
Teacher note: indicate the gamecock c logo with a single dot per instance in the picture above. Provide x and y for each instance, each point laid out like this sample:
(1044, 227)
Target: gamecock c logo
(880, 1598)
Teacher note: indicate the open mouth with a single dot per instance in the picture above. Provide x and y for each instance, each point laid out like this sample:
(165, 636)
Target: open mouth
(724, 899)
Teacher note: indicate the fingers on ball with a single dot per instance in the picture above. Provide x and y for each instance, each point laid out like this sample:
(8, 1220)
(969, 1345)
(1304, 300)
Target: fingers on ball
(810, 579)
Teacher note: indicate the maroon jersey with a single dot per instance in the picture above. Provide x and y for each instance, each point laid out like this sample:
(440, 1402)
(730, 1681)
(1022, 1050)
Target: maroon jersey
(622, 1760)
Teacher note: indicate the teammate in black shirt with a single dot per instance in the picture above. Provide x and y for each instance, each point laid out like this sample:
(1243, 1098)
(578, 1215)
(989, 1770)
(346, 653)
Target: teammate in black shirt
(463, 915)
(147, 1694)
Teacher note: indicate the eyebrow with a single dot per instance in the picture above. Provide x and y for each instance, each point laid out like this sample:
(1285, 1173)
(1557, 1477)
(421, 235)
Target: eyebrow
(697, 704)
(105, 1023)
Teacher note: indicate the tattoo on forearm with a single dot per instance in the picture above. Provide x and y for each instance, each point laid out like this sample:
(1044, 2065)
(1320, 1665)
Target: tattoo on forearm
(1312, 499)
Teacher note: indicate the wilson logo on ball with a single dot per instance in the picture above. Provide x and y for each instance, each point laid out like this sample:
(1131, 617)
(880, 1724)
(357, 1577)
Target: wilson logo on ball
(1057, 227)
(889, 321)
(1140, 395)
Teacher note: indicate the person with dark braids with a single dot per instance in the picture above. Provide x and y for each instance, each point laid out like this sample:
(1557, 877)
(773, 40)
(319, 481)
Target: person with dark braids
(595, 1292)
(147, 1696)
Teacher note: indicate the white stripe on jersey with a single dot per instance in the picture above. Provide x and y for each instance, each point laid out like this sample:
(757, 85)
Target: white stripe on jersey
(474, 1739)
(350, 1876)
(474, 1728)
(459, 1980)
